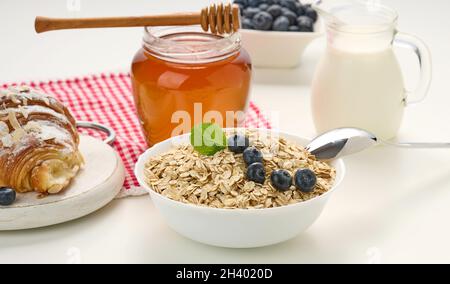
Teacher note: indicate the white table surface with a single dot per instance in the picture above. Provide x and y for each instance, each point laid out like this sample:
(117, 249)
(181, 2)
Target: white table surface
(392, 207)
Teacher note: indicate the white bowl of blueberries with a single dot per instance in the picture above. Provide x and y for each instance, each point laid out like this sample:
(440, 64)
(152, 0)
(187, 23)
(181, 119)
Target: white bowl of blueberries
(276, 32)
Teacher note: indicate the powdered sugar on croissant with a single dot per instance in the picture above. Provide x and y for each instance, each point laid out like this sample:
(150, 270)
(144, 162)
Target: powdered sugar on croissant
(38, 142)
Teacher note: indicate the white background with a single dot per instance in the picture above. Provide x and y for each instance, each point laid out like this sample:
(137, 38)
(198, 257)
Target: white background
(393, 205)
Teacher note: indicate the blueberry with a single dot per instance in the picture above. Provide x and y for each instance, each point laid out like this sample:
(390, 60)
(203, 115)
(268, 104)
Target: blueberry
(305, 180)
(275, 11)
(238, 143)
(290, 15)
(251, 12)
(262, 21)
(300, 9)
(305, 24)
(294, 29)
(256, 173)
(281, 180)
(310, 12)
(263, 7)
(254, 3)
(290, 4)
(7, 196)
(252, 155)
(281, 24)
(241, 9)
(247, 24)
(244, 3)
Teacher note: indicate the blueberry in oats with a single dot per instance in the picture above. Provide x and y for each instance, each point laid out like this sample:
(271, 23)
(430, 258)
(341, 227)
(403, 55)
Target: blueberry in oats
(252, 155)
(281, 180)
(305, 180)
(256, 173)
(238, 143)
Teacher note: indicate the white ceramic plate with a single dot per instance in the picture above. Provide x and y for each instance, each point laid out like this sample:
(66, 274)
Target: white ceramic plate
(94, 187)
(236, 228)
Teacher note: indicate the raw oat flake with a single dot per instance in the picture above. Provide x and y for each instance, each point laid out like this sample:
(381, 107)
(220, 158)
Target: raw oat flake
(218, 181)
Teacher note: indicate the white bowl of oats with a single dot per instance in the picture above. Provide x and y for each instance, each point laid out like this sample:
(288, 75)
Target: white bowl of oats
(210, 200)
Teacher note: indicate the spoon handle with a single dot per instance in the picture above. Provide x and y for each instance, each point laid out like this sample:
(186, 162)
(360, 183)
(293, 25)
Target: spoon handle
(418, 145)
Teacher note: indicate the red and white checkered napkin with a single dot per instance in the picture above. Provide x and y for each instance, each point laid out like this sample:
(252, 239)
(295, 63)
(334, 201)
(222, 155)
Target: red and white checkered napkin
(107, 99)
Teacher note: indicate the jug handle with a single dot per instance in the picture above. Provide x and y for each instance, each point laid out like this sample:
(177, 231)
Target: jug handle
(423, 53)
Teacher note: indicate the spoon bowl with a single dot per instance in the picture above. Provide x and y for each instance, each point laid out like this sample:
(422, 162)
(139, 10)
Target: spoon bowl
(346, 141)
(341, 142)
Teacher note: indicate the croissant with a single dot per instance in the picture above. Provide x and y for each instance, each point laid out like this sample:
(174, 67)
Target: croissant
(38, 142)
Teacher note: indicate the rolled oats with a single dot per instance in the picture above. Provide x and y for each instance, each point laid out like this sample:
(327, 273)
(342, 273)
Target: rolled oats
(218, 181)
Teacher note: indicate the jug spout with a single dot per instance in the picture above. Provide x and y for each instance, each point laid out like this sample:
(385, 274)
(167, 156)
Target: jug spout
(356, 16)
(323, 8)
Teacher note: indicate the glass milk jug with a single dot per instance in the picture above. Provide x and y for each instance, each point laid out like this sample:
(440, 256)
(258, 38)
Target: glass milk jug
(358, 82)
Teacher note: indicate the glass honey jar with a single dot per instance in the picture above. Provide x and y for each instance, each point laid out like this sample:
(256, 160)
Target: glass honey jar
(183, 76)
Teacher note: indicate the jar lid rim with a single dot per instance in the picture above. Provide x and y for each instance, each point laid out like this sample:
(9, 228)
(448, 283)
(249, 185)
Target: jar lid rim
(159, 42)
(150, 32)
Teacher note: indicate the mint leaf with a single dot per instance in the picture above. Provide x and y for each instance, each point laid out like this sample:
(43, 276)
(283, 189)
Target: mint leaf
(208, 138)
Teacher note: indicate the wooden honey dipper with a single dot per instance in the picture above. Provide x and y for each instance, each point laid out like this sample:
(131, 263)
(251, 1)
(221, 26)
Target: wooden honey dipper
(219, 19)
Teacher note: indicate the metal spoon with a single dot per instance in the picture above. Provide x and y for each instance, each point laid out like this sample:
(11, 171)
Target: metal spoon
(346, 141)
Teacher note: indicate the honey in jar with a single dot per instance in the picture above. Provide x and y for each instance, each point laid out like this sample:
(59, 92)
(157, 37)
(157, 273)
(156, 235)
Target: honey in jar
(183, 76)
